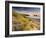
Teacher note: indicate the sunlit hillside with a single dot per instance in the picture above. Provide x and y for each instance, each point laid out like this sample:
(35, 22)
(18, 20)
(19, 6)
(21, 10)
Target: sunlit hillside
(21, 22)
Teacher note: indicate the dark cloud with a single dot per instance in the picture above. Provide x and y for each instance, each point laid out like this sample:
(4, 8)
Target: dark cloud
(28, 9)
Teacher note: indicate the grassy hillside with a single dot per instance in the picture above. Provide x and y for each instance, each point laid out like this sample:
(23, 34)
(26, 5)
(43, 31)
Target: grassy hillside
(21, 22)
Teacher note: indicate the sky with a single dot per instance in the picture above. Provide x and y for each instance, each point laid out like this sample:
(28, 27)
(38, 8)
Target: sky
(27, 9)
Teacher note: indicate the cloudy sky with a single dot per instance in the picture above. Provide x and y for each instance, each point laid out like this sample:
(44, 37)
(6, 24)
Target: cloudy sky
(27, 9)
